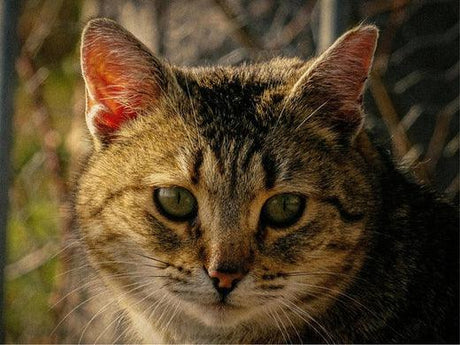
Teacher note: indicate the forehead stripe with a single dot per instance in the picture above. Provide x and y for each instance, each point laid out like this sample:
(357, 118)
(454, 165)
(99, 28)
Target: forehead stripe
(196, 166)
(271, 171)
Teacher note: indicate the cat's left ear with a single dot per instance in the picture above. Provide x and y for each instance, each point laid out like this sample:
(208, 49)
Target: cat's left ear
(333, 84)
(122, 77)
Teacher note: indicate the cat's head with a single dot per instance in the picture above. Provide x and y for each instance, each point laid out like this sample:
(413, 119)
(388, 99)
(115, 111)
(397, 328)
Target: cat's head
(225, 194)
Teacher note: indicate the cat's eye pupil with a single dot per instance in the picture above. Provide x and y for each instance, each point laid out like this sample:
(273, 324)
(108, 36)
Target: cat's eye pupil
(176, 203)
(283, 209)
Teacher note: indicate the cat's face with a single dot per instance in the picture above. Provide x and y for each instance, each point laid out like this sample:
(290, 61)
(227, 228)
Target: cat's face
(224, 194)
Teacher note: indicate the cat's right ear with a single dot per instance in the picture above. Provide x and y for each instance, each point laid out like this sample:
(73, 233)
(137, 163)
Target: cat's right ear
(123, 79)
(333, 85)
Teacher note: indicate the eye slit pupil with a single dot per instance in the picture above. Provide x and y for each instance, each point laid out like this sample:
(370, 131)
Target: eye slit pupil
(283, 210)
(175, 203)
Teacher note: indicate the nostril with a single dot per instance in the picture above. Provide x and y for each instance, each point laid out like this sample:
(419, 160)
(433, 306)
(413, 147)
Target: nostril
(224, 283)
(215, 282)
(225, 280)
(223, 291)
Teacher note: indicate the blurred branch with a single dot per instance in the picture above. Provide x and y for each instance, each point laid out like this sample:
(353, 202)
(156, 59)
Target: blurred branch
(42, 27)
(33, 78)
(32, 261)
(395, 20)
(425, 41)
(400, 142)
(402, 148)
(411, 116)
(27, 70)
(376, 7)
(411, 158)
(415, 77)
(241, 30)
(294, 27)
(452, 146)
(453, 189)
(438, 139)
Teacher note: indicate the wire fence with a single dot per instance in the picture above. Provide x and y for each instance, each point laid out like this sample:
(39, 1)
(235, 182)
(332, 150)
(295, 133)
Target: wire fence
(412, 105)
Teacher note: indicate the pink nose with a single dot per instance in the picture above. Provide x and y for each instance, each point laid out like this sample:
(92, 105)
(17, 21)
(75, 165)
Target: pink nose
(225, 280)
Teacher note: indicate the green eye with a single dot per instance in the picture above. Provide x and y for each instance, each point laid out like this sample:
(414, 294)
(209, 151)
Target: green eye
(283, 210)
(176, 203)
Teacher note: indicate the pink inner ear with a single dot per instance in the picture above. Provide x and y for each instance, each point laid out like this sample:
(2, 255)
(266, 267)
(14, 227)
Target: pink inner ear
(109, 88)
(343, 69)
(363, 51)
(334, 82)
(120, 75)
(105, 93)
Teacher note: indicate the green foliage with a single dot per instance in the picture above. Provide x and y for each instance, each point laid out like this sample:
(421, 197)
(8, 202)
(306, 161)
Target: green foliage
(34, 217)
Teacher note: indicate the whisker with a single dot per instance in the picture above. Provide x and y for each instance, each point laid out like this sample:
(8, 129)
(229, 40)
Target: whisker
(277, 325)
(66, 247)
(341, 293)
(111, 262)
(164, 312)
(305, 273)
(299, 312)
(285, 103)
(108, 305)
(283, 326)
(121, 334)
(85, 302)
(155, 306)
(309, 116)
(152, 258)
(75, 308)
(292, 325)
(154, 266)
(81, 287)
(176, 311)
(73, 270)
(117, 319)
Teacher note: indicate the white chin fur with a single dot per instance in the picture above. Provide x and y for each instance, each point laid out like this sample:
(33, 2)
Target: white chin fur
(217, 316)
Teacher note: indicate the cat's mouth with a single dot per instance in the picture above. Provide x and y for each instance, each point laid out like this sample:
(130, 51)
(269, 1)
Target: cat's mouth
(223, 306)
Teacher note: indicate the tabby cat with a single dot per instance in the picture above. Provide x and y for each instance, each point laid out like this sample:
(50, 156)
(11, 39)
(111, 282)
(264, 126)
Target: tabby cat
(247, 204)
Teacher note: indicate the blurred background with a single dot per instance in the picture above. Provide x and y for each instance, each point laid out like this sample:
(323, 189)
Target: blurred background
(412, 105)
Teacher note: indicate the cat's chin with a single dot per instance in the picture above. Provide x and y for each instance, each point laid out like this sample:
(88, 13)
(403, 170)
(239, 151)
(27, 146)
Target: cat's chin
(218, 315)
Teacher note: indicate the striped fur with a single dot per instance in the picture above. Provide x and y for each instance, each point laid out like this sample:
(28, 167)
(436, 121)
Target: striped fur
(372, 259)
